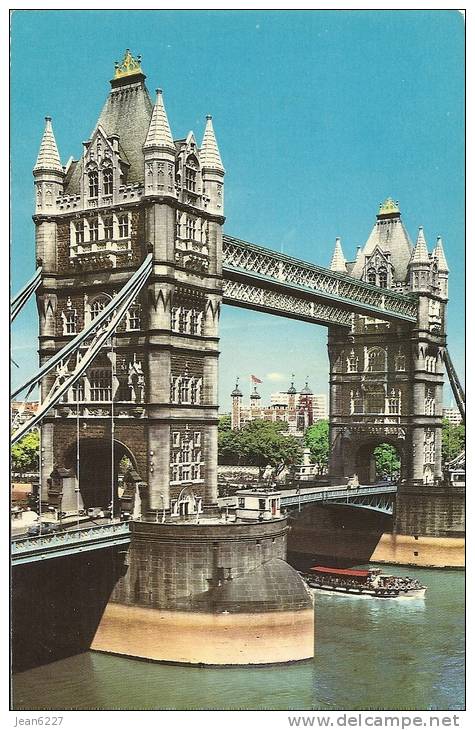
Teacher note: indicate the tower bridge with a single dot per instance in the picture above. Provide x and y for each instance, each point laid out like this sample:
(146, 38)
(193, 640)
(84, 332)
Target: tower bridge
(133, 269)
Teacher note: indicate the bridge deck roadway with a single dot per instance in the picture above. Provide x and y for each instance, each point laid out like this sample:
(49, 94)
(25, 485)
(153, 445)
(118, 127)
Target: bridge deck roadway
(351, 495)
(69, 542)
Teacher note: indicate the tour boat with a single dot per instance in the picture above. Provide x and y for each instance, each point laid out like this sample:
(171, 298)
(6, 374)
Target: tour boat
(354, 582)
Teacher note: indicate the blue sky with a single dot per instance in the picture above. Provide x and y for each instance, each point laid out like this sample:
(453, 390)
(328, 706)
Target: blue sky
(319, 115)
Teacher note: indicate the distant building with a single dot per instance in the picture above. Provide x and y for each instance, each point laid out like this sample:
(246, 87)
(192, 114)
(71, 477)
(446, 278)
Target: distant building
(452, 415)
(298, 409)
(22, 411)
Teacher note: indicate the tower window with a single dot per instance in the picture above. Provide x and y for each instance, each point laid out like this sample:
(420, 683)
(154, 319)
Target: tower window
(79, 231)
(400, 362)
(376, 360)
(94, 229)
(394, 403)
(78, 390)
(356, 403)
(195, 322)
(100, 385)
(183, 320)
(430, 402)
(383, 277)
(174, 318)
(108, 179)
(190, 179)
(352, 363)
(375, 402)
(372, 276)
(133, 317)
(108, 228)
(98, 305)
(190, 228)
(184, 390)
(69, 322)
(123, 226)
(93, 184)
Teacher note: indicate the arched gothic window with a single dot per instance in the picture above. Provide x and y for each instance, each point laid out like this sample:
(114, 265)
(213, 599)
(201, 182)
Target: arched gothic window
(97, 305)
(429, 405)
(93, 184)
(376, 360)
(400, 362)
(108, 181)
(372, 276)
(191, 168)
(383, 277)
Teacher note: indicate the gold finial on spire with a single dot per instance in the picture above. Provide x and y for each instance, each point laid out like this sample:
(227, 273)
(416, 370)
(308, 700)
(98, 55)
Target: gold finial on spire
(389, 206)
(129, 65)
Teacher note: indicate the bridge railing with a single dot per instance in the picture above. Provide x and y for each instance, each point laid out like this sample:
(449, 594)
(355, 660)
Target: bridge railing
(329, 494)
(56, 541)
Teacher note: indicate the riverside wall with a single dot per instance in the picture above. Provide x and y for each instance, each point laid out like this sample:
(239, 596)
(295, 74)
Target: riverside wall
(427, 530)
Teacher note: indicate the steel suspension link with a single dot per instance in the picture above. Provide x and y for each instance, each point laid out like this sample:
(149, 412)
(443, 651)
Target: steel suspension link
(20, 299)
(67, 378)
(73, 345)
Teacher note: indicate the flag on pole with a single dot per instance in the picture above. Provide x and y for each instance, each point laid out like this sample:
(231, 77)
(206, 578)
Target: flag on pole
(255, 380)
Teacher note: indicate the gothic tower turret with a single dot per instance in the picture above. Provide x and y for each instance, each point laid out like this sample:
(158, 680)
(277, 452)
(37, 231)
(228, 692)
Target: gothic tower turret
(338, 262)
(159, 153)
(49, 176)
(48, 172)
(438, 256)
(236, 403)
(420, 265)
(212, 170)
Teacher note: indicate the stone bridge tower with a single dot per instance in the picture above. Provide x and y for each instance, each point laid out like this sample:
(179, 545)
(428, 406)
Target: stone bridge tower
(134, 190)
(386, 379)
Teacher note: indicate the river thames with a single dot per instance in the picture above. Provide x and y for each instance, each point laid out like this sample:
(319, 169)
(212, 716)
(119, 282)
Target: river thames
(401, 654)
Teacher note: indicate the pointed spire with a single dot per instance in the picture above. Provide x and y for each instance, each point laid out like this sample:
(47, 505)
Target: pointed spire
(420, 254)
(338, 262)
(48, 156)
(209, 152)
(159, 133)
(439, 255)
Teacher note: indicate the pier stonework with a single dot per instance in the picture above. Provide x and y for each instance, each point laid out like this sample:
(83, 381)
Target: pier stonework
(139, 429)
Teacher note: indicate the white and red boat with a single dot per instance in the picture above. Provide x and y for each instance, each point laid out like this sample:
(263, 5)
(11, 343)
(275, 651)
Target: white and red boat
(370, 583)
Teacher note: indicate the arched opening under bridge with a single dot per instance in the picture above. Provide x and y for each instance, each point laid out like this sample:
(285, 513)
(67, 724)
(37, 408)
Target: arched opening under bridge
(378, 461)
(97, 484)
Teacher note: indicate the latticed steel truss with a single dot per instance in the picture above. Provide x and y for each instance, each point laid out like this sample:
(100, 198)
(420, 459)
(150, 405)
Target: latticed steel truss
(258, 278)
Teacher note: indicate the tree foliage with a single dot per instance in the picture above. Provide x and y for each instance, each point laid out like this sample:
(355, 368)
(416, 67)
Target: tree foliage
(25, 453)
(317, 440)
(453, 440)
(259, 443)
(387, 460)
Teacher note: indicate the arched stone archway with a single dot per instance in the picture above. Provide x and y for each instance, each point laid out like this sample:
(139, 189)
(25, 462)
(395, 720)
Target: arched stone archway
(366, 463)
(96, 481)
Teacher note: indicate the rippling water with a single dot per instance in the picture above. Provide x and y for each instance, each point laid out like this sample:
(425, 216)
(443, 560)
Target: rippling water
(370, 654)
